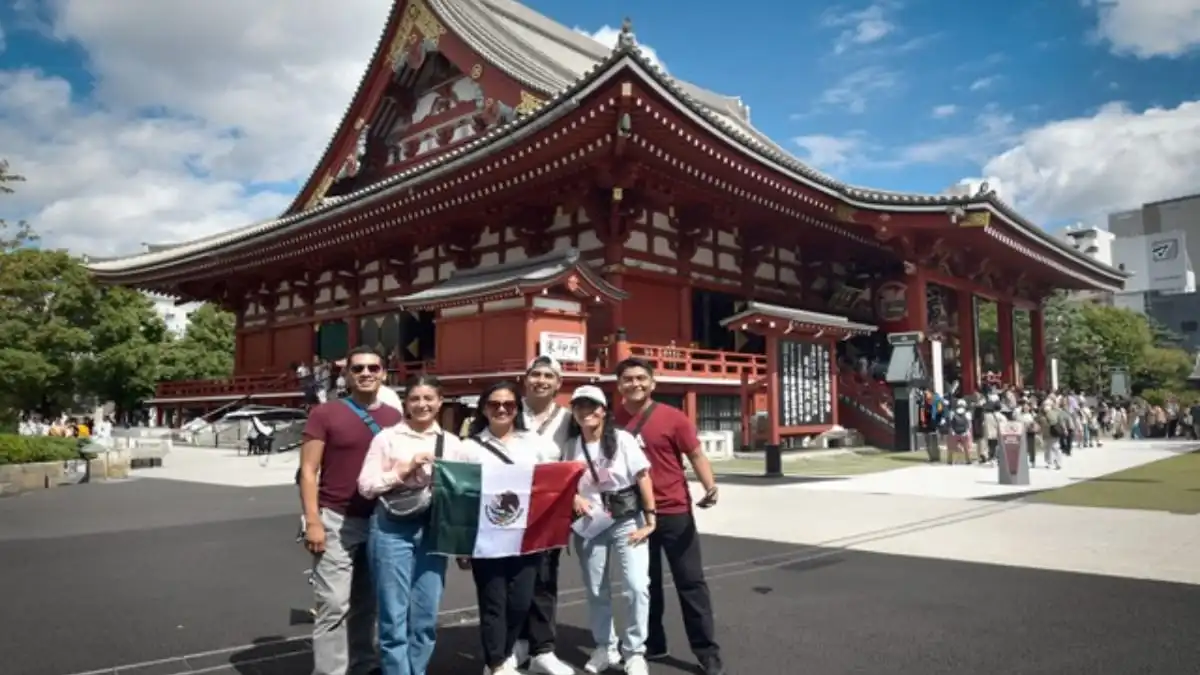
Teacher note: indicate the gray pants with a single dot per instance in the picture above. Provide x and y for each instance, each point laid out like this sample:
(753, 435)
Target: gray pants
(344, 628)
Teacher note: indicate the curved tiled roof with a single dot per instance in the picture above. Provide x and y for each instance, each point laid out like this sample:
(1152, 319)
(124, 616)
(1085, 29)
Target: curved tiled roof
(480, 28)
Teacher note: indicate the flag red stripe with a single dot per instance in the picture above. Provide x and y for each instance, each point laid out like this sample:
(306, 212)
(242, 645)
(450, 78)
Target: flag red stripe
(550, 506)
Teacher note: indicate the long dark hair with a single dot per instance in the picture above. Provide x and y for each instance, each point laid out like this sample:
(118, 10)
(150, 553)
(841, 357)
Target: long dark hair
(608, 434)
(480, 422)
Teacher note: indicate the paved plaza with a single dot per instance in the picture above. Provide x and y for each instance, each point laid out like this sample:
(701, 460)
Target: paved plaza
(164, 576)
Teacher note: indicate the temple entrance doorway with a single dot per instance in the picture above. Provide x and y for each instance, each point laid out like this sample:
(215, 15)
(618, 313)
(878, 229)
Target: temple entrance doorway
(708, 309)
(332, 340)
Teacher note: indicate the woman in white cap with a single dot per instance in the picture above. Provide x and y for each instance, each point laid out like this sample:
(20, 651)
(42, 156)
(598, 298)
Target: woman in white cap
(617, 516)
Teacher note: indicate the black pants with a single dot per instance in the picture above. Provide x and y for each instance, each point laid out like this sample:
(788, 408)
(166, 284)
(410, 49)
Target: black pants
(676, 537)
(1031, 447)
(539, 627)
(504, 591)
(993, 444)
(1065, 441)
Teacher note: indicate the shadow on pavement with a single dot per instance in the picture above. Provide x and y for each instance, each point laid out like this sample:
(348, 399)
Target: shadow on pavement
(752, 479)
(457, 653)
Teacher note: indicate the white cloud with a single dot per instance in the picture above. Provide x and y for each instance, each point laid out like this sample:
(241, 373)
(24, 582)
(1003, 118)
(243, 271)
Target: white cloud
(983, 83)
(607, 36)
(855, 90)
(182, 118)
(829, 153)
(1149, 28)
(1089, 166)
(944, 111)
(862, 27)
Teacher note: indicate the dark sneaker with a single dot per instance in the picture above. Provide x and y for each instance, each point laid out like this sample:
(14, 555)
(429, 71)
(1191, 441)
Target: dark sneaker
(712, 665)
(657, 654)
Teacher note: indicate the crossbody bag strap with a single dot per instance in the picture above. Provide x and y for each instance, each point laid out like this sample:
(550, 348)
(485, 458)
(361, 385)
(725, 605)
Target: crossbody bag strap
(493, 449)
(591, 465)
(440, 445)
(637, 430)
(364, 416)
(549, 418)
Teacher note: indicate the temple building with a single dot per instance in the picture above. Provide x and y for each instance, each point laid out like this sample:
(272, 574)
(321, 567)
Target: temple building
(502, 186)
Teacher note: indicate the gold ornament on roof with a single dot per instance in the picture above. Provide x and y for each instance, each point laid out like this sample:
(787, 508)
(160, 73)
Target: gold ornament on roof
(476, 71)
(844, 213)
(977, 219)
(418, 20)
(319, 193)
(528, 104)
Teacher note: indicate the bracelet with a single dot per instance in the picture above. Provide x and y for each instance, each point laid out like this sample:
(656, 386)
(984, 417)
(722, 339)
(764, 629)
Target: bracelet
(650, 512)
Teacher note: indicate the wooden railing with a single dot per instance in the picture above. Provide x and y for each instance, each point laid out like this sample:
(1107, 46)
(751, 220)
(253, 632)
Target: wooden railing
(240, 385)
(701, 363)
(667, 360)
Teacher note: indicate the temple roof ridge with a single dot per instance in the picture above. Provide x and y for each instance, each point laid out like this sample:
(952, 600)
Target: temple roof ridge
(627, 52)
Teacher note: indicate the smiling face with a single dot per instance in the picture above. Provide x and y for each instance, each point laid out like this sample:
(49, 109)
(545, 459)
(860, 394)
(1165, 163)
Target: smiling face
(587, 414)
(541, 383)
(365, 373)
(635, 384)
(422, 405)
(500, 409)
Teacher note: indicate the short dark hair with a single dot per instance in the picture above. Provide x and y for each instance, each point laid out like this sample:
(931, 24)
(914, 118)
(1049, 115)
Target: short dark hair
(422, 380)
(363, 350)
(633, 362)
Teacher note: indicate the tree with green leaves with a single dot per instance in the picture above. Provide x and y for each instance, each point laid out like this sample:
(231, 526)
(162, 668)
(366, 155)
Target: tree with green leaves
(13, 235)
(127, 342)
(205, 351)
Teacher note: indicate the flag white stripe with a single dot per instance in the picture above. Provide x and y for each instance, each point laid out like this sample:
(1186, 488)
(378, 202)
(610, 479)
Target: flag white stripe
(503, 538)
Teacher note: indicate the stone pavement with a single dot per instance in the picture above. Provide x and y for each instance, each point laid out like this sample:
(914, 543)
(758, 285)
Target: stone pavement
(140, 579)
(977, 482)
(189, 575)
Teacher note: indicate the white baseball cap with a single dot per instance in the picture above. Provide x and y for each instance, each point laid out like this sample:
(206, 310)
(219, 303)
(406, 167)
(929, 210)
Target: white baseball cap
(590, 393)
(545, 362)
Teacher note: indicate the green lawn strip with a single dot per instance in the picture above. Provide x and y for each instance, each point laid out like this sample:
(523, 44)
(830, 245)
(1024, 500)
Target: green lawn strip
(1171, 485)
(847, 464)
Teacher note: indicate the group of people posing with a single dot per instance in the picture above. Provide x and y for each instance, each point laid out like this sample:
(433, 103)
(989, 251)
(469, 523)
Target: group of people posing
(365, 485)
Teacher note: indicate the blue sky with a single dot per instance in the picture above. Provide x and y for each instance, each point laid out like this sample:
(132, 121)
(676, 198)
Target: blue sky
(150, 120)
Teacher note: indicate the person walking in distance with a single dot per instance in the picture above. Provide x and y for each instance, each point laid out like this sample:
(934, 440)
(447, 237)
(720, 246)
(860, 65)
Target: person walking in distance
(337, 518)
(666, 435)
(543, 415)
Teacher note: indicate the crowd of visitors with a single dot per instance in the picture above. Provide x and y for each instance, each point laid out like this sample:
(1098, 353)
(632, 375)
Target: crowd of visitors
(365, 486)
(1055, 423)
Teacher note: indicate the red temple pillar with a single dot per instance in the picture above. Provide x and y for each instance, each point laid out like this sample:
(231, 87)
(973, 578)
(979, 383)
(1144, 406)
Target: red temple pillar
(1037, 335)
(833, 381)
(773, 435)
(1004, 328)
(968, 358)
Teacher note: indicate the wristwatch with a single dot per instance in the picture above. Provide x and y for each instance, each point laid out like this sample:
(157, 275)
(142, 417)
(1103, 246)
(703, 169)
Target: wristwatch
(650, 512)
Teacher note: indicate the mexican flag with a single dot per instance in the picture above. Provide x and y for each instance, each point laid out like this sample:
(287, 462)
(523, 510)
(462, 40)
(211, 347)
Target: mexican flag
(500, 510)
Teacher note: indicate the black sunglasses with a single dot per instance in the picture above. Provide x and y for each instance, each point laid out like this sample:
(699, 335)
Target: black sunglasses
(369, 367)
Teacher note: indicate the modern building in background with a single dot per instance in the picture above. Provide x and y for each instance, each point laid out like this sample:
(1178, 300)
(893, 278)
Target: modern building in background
(1156, 244)
(175, 316)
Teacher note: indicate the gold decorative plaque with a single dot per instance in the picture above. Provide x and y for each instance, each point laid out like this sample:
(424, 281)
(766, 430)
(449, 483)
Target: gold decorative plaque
(529, 103)
(417, 20)
(476, 71)
(977, 219)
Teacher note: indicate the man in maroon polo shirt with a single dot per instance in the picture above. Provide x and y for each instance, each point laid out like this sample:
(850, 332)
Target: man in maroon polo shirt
(667, 435)
(336, 439)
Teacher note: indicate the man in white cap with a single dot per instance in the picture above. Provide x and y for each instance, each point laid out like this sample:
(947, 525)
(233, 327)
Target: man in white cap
(543, 379)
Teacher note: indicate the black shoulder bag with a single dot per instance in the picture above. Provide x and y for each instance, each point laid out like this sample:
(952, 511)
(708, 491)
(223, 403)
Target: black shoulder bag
(404, 502)
(619, 504)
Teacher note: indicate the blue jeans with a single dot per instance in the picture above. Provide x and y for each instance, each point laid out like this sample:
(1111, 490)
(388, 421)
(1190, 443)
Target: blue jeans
(596, 557)
(408, 588)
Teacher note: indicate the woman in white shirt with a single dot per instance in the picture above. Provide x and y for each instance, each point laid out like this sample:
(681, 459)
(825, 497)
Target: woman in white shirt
(615, 489)
(408, 577)
(503, 586)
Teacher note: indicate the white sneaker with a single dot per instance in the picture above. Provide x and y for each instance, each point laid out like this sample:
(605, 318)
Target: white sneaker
(549, 664)
(509, 667)
(520, 655)
(602, 659)
(636, 665)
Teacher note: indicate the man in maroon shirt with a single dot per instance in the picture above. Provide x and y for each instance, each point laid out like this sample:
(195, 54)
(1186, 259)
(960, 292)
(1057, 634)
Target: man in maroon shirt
(336, 439)
(667, 435)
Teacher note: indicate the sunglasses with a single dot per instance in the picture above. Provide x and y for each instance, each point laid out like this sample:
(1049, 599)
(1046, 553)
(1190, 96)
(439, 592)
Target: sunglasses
(369, 367)
(507, 406)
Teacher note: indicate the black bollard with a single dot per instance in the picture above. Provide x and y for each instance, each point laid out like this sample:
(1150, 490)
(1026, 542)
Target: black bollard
(774, 461)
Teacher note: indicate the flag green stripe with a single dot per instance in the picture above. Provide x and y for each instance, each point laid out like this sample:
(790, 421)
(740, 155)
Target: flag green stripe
(457, 487)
